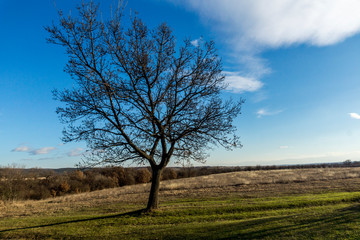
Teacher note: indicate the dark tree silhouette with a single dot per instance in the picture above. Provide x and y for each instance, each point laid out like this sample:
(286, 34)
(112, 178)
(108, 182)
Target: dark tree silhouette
(137, 96)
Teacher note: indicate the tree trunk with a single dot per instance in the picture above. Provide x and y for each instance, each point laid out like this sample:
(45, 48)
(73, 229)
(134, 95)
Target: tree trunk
(154, 191)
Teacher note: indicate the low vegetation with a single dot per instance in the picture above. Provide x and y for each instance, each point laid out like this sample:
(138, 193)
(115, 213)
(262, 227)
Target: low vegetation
(21, 184)
(321, 203)
(36, 184)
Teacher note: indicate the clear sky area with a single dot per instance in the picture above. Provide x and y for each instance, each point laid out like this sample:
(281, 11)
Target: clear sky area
(296, 62)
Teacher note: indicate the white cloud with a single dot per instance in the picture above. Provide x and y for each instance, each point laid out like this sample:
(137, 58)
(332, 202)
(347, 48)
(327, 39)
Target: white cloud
(262, 112)
(196, 42)
(39, 151)
(75, 152)
(44, 150)
(239, 84)
(354, 115)
(249, 27)
(281, 22)
(21, 149)
(265, 112)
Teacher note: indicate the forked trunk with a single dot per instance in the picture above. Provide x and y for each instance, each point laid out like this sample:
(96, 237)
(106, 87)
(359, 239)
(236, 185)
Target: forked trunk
(153, 202)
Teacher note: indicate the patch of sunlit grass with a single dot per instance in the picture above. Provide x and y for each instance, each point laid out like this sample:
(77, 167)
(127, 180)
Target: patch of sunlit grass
(323, 216)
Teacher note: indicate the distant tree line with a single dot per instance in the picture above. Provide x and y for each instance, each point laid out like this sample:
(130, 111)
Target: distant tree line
(36, 184)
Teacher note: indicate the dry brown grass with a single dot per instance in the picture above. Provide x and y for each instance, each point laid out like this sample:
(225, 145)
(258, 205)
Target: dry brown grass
(246, 184)
(263, 177)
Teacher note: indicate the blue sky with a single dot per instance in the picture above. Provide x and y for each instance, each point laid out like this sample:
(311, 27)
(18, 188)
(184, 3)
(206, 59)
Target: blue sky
(297, 64)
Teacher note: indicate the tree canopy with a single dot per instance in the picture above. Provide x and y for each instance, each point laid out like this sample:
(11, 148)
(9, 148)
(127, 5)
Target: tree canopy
(138, 96)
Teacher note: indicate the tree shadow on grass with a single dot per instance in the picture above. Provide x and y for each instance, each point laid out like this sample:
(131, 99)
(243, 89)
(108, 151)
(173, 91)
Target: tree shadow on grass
(133, 213)
(293, 226)
(280, 227)
(310, 227)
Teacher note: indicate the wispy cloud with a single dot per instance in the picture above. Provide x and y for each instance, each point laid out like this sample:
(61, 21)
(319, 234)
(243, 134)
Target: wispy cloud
(280, 22)
(354, 115)
(250, 27)
(196, 42)
(44, 150)
(38, 151)
(265, 112)
(322, 157)
(21, 149)
(239, 84)
(284, 147)
(259, 96)
(75, 152)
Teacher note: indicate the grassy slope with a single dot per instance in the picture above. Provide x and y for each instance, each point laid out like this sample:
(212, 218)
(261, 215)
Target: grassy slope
(318, 215)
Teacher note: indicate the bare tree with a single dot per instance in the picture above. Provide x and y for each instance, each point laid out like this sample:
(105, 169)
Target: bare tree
(137, 96)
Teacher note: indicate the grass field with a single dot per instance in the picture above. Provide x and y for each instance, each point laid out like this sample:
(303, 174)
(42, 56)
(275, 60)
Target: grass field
(276, 204)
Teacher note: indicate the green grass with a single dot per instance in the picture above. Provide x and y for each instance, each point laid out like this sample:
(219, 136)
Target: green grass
(310, 216)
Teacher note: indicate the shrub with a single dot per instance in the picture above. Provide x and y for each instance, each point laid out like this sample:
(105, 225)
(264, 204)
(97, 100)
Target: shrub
(143, 175)
(168, 174)
(129, 177)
